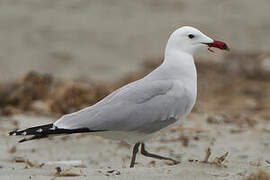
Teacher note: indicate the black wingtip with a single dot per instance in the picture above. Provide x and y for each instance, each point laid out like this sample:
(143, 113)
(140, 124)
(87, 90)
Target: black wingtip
(13, 133)
(22, 140)
(46, 130)
(17, 133)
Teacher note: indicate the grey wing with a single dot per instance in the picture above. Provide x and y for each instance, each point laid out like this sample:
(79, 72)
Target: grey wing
(141, 106)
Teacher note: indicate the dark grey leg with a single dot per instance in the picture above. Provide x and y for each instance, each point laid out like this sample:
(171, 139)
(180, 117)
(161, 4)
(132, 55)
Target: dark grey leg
(135, 150)
(147, 154)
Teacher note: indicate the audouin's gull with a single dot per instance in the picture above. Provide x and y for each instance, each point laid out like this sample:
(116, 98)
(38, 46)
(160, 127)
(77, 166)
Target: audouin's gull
(136, 111)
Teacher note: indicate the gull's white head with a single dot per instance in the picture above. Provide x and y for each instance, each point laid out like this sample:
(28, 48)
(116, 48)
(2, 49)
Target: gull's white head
(188, 39)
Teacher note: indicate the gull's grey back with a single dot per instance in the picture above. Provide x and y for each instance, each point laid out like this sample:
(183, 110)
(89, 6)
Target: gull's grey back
(145, 106)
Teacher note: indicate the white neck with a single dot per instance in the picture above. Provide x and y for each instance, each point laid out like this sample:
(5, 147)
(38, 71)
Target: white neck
(178, 66)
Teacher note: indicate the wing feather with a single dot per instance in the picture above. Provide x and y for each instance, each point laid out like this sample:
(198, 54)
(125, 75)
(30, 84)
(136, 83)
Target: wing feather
(139, 106)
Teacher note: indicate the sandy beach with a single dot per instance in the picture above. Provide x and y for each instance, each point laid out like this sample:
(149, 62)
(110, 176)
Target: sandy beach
(248, 150)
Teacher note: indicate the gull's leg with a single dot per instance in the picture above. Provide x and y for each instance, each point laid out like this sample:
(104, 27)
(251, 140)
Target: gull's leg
(147, 154)
(135, 150)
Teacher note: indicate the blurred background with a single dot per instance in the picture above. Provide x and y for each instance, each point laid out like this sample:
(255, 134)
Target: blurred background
(104, 40)
(59, 56)
(110, 43)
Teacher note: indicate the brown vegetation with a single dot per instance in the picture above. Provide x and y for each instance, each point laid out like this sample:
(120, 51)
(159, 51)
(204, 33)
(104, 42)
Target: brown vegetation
(228, 88)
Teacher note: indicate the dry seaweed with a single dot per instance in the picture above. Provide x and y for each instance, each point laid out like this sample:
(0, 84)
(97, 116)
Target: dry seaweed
(65, 173)
(207, 155)
(259, 175)
(27, 162)
(219, 161)
(238, 100)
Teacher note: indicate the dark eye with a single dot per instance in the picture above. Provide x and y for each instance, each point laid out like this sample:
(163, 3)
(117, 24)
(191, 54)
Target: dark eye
(191, 36)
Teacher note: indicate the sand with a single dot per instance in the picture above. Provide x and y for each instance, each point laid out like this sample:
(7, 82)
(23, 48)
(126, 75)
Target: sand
(248, 150)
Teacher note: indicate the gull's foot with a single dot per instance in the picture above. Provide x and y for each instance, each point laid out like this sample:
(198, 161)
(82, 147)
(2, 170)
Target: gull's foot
(173, 162)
